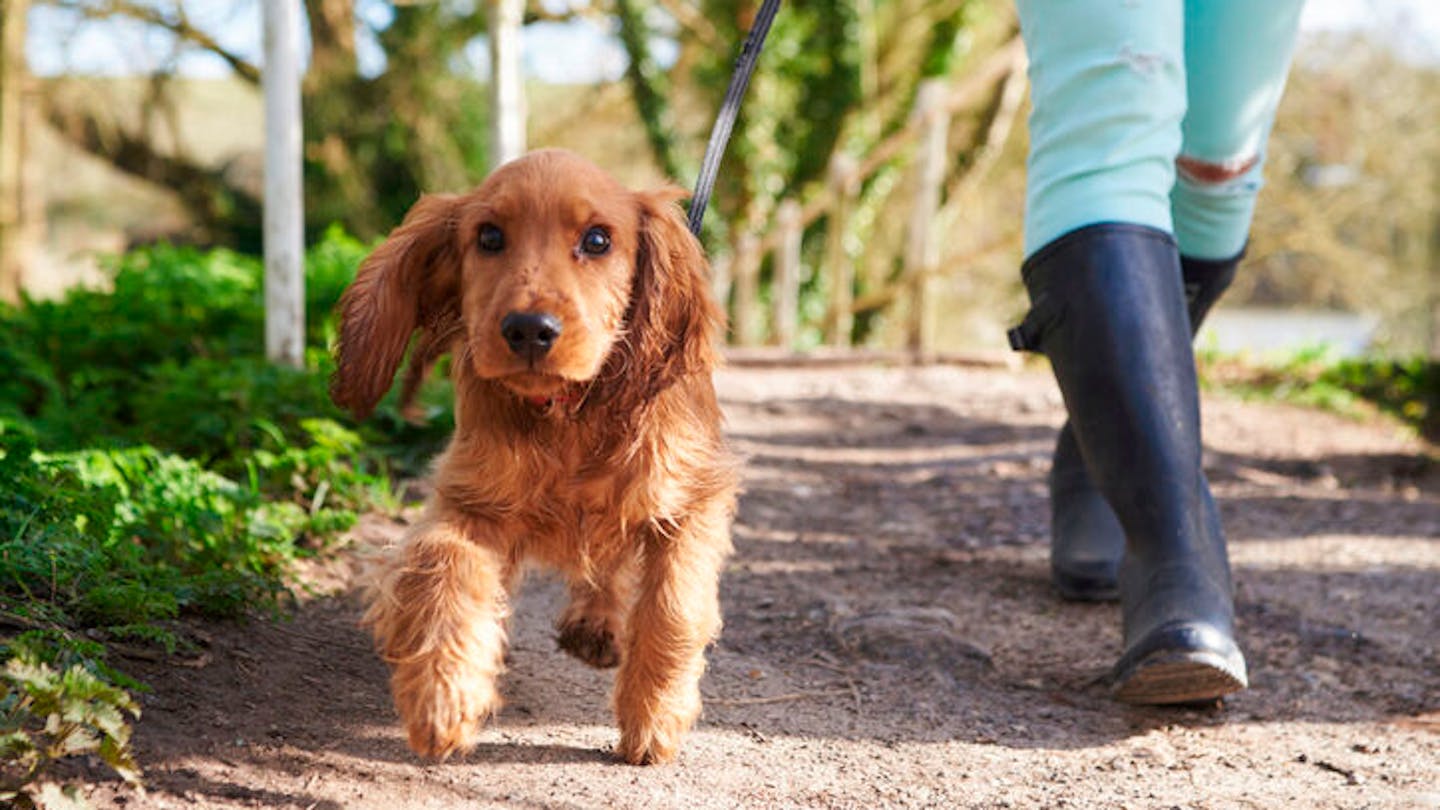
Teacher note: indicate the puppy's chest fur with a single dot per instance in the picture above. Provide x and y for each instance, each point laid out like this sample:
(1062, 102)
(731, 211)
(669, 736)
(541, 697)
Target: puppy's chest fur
(560, 490)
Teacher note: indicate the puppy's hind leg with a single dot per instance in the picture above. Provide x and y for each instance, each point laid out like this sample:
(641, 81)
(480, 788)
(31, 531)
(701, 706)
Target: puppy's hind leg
(675, 615)
(591, 626)
(437, 613)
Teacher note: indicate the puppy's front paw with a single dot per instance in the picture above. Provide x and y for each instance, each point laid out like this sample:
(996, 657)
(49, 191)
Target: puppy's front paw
(652, 744)
(589, 640)
(653, 737)
(442, 714)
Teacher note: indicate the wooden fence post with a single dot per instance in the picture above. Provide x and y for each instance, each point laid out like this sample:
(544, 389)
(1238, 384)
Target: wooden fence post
(785, 290)
(504, 19)
(721, 279)
(921, 244)
(284, 217)
(844, 187)
(745, 270)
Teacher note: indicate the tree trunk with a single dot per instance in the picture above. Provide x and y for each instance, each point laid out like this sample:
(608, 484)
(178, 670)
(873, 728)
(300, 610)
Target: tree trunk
(332, 37)
(649, 86)
(13, 85)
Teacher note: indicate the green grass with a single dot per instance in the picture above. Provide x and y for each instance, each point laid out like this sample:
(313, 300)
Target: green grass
(1407, 389)
(155, 469)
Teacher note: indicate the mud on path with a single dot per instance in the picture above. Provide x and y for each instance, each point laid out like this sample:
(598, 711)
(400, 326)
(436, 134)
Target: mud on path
(891, 639)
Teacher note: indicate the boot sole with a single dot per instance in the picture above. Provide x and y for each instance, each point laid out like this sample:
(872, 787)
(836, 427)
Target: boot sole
(1179, 677)
(1083, 589)
(1089, 580)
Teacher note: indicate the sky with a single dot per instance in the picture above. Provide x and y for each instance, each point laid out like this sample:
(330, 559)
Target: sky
(582, 51)
(60, 41)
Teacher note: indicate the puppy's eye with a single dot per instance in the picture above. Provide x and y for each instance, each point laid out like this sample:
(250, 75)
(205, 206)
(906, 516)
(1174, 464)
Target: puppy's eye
(595, 242)
(492, 239)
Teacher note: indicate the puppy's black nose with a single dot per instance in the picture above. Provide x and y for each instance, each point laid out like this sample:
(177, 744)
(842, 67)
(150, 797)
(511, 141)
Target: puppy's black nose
(530, 334)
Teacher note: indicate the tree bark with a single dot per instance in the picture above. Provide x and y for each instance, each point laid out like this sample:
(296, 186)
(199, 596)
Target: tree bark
(332, 37)
(649, 87)
(13, 84)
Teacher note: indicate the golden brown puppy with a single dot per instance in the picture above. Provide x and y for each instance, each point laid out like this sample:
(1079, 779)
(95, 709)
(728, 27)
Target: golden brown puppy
(587, 439)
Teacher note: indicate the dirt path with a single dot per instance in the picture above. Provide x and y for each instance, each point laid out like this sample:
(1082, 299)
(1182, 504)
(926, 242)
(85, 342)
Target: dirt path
(891, 640)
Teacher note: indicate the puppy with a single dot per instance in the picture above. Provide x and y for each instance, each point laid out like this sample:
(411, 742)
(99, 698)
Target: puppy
(587, 440)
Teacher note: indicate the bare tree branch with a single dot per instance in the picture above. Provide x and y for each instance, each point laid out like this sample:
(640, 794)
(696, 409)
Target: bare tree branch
(217, 204)
(692, 20)
(177, 25)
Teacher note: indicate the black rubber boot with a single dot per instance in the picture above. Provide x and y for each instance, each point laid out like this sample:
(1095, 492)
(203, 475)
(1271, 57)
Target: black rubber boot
(1108, 309)
(1086, 541)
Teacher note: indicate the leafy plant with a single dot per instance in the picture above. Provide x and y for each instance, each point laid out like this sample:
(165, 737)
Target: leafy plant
(46, 715)
(125, 541)
(154, 467)
(1406, 388)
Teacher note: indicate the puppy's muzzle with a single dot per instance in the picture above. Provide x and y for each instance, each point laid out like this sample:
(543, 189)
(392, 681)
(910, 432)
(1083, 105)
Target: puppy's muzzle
(530, 335)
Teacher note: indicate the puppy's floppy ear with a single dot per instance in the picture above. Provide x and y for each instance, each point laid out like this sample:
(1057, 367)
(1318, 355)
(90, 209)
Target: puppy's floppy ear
(673, 321)
(411, 281)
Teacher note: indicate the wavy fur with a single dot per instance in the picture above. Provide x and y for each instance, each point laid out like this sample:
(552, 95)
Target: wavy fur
(603, 459)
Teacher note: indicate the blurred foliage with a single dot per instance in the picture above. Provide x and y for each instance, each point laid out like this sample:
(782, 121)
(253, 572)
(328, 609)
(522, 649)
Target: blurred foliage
(1349, 218)
(1406, 389)
(836, 77)
(835, 80)
(373, 141)
(804, 89)
(649, 85)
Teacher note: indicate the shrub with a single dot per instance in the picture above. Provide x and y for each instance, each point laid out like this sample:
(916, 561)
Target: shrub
(1406, 388)
(154, 466)
(48, 714)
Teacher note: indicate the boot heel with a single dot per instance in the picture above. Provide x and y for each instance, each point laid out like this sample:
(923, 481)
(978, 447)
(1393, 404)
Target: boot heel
(1181, 663)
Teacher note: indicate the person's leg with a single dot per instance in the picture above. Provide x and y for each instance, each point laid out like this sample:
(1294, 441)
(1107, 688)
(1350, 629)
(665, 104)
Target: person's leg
(1109, 311)
(1108, 90)
(1087, 542)
(1107, 84)
(1236, 58)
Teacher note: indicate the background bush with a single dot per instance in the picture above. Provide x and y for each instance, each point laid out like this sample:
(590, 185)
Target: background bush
(154, 467)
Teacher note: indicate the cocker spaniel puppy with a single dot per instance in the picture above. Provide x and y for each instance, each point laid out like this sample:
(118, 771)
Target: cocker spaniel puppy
(587, 439)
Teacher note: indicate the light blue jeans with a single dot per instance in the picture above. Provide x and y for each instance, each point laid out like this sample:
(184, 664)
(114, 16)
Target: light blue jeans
(1154, 112)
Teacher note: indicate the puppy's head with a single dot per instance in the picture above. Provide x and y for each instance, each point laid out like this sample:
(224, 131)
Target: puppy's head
(551, 275)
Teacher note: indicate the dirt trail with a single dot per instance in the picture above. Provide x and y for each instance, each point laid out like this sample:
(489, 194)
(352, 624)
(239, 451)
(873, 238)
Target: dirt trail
(891, 639)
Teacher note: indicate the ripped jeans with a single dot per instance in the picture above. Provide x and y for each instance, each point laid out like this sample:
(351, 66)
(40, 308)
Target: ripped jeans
(1154, 112)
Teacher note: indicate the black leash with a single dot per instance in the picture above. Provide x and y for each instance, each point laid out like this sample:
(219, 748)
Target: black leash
(729, 108)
